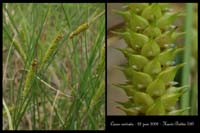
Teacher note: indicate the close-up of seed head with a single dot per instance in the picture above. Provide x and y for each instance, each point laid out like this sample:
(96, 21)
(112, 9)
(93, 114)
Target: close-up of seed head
(151, 31)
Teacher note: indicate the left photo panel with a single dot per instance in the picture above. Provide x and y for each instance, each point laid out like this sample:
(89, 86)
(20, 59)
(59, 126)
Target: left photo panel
(53, 66)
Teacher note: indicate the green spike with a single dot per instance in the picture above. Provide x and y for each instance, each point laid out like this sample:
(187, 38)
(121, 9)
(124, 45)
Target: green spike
(137, 40)
(152, 31)
(122, 34)
(137, 22)
(134, 40)
(170, 100)
(150, 49)
(165, 38)
(137, 7)
(137, 61)
(142, 99)
(169, 74)
(168, 55)
(140, 79)
(127, 104)
(128, 111)
(152, 12)
(127, 37)
(175, 35)
(156, 109)
(167, 19)
(127, 51)
(127, 70)
(181, 89)
(150, 69)
(125, 14)
(153, 67)
(156, 88)
(134, 21)
(127, 88)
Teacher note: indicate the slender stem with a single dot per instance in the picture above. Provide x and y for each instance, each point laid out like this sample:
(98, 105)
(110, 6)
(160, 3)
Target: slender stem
(8, 114)
(187, 55)
(194, 99)
(97, 16)
(52, 109)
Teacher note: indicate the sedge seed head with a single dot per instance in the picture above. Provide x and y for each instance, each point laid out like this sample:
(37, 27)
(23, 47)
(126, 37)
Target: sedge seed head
(78, 30)
(144, 69)
(29, 77)
(52, 48)
(19, 50)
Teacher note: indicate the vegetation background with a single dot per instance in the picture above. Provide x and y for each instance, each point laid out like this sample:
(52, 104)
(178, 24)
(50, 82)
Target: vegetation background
(51, 81)
(188, 75)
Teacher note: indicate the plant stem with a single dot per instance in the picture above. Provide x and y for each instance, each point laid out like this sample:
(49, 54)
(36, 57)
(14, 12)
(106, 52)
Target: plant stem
(187, 54)
(9, 116)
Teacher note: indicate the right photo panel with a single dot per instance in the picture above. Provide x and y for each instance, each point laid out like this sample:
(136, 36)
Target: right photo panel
(152, 59)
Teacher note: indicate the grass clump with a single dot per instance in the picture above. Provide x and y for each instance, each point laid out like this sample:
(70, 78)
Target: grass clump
(59, 90)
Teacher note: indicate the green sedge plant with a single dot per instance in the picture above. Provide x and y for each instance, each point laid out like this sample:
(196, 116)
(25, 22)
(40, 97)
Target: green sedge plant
(53, 75)
(150, 34)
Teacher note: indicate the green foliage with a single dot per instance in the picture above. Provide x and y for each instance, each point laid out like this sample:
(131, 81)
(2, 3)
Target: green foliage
(64, 88)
